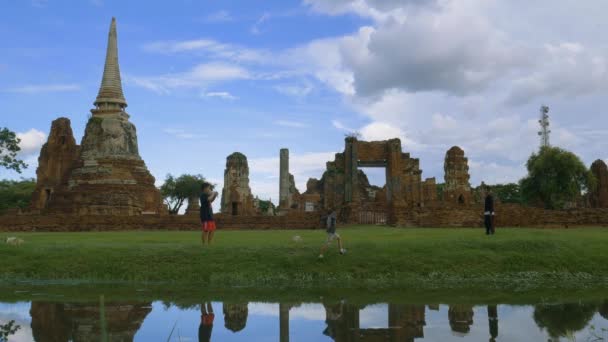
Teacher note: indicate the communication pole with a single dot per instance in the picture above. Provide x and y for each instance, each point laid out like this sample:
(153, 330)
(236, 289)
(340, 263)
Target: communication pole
(544, 126)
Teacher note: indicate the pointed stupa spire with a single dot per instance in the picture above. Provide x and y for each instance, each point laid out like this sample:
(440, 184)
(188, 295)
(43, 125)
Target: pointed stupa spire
(110, 91)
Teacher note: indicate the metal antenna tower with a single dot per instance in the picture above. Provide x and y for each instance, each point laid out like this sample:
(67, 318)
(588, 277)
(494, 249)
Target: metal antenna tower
(544, 126)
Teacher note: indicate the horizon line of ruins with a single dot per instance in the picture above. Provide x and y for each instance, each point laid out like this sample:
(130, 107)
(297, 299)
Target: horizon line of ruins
(106, 175)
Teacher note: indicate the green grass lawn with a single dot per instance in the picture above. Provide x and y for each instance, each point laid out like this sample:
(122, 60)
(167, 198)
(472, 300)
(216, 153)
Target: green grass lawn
(377, 257)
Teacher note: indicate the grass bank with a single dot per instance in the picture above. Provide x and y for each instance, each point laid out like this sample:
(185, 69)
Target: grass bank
(377, 258)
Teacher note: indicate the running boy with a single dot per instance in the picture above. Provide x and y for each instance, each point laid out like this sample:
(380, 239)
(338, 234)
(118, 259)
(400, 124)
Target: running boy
(331, 233)
(208, 225)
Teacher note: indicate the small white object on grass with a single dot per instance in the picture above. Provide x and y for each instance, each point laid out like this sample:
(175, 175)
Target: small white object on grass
(297, 238)
(14, 241)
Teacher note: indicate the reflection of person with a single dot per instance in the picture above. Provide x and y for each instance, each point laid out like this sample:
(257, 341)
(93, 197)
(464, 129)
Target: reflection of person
(493, 322)
(207, 317)
(488, 213)
(333, 318)
(208, 225)
(331, 233)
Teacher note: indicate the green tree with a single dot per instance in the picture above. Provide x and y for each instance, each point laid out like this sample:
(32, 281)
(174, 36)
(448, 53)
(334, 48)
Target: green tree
(507, 193)
(9, 147)
(176, 191)
(555, 178)
(563, 319)
(16, 194)
(8, 329)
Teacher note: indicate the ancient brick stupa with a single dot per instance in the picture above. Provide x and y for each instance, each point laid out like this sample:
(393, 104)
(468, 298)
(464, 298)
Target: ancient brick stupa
(236, 193)
(457, 189)
(109, 176)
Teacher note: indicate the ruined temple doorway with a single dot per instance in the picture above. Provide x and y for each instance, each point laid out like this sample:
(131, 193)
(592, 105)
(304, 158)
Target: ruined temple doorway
(235, 208)
(373, 195)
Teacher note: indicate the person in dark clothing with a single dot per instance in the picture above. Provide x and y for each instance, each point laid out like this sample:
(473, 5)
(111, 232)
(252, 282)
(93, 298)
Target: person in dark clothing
(207, 223)
(206, 326)
(488, 213)
(332, 218)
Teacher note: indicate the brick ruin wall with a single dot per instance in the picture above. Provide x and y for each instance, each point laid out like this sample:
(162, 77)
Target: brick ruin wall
(508, 215)
(73, 223)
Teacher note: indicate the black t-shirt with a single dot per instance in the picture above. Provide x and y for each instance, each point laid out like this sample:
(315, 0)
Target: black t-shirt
(489, 204)
(206, 211)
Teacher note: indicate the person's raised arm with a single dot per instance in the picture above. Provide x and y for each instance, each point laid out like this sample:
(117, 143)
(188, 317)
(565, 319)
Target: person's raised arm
(213, 197)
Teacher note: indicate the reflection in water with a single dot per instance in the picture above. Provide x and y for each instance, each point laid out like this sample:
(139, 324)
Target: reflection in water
(493, 322)
(205, 328)
(235, 316)
(330, 321)
(55, 322)
(461, 318)
(563, 319)
(604, 309)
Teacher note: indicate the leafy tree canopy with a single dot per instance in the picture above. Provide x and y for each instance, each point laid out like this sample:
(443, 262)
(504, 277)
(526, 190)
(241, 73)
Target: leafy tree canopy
(507, 193)
(9, 147)
(563, 319)
(556, 177)
(176, 191)
(16, 194)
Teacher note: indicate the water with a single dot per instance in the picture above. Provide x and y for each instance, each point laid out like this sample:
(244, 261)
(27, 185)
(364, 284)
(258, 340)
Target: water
(331, 321)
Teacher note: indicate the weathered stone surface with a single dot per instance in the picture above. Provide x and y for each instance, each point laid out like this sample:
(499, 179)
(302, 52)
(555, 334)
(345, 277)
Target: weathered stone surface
(457, 189)
(508, 215)
(284, 185)
(110, 136)
(599, 197)
(289, 196)
(57, 159)
(235, 316)
(461, 318)
(108, 177)
(81, 322)
(236, 193)
(345, 185)
(429, 192)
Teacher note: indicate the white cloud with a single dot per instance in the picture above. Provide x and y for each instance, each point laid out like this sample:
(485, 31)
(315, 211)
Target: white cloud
(292, 124)
(380, 131)
(294, 90)
(183, 134)
(257, 26)
(339, 125)
(219, 17)
(31, 141)
(211, 48)
(220, 94)
(44, 88)
(198, 77)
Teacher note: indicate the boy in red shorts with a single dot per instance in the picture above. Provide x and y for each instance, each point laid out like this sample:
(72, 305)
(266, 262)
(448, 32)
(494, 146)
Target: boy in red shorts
(208, 225)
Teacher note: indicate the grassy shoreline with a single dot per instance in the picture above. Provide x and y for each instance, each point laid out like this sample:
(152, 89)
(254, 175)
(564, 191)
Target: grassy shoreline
(513, 260)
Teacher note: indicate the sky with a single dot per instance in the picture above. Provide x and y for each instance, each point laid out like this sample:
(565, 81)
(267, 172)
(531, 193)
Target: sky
(204, 79)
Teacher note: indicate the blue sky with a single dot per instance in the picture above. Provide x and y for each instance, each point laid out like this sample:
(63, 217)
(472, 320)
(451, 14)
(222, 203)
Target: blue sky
(206, 78)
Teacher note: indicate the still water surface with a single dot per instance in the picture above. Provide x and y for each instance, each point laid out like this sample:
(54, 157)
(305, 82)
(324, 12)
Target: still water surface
(329, 321)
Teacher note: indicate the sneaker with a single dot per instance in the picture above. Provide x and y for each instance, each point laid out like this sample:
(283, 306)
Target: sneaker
(343, 251)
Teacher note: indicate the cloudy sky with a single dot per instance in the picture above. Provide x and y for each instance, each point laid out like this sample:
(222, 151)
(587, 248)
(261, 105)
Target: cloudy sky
(206, 78)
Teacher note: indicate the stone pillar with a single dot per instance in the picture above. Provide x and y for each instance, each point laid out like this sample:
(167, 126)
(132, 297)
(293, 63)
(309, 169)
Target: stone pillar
(351, 163)
(284, 322)
(393, 171)
(284, 198)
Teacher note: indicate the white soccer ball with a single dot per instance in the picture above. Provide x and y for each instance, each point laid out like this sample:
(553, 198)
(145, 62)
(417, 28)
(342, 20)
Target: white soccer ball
(297, 238)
